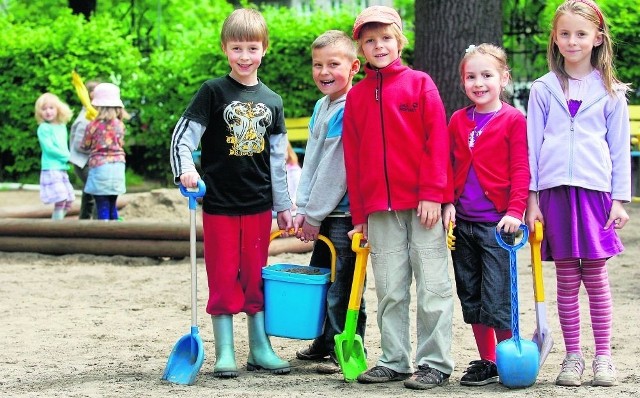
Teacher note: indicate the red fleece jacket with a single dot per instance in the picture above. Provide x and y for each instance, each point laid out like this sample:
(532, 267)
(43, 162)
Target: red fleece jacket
(396, 144)
(499, 158)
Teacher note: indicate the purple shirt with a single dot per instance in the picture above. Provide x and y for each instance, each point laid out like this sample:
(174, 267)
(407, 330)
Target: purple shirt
(473, 204)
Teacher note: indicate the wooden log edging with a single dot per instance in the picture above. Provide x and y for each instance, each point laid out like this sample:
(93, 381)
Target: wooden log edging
(127, 238)
(106, 247)
(74, 229)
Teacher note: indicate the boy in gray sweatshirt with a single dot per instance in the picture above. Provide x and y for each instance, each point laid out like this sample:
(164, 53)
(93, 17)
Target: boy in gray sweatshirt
(321, 198)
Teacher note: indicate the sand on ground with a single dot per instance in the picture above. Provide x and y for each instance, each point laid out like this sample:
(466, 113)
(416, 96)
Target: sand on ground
(81, 325)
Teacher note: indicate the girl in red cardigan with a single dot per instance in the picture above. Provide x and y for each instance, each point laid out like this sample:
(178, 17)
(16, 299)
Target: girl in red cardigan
(491, 180)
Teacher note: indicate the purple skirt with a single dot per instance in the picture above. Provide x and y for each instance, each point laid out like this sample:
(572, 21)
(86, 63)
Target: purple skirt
(574, 224)
(55, 186)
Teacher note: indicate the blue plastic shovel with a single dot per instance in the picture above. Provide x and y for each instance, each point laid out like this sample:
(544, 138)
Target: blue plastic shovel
(516, 359)
(187, 355)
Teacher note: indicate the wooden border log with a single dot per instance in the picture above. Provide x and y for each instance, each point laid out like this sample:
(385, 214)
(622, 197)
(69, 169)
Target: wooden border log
(73, 229)
(127, 238)
(111, 247)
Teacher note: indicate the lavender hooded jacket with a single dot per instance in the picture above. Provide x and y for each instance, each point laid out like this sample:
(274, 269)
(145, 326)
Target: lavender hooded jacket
(590, 150)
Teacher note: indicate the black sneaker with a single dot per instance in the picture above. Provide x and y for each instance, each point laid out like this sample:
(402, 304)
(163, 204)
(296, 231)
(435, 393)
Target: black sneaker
(312, 353)
(480, 373)
(381, 374)
(426, 377)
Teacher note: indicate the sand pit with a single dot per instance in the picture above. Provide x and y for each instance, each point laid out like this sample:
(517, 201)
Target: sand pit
(103, 326)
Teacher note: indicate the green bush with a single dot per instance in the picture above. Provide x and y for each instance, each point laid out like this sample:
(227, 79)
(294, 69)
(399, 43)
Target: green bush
(39, 61)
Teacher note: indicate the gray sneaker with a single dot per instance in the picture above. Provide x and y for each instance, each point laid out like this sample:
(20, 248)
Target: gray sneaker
(381, 374)
(571, 372)
(329, 367)
(426, 378)
(604, 373)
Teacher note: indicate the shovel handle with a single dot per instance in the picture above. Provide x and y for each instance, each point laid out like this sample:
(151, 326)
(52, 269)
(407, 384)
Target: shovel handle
(513, 248)
(193, 193)
(513, 269)
(451, 239)
(361, 248)
(535, 241)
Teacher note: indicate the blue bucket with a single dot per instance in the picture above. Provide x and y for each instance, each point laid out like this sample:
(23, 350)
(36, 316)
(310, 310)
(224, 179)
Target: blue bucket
(295, 300)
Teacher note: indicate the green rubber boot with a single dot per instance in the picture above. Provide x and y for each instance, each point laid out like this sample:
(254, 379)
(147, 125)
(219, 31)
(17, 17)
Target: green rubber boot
(225, 355)
(261, 355)
(58, 214)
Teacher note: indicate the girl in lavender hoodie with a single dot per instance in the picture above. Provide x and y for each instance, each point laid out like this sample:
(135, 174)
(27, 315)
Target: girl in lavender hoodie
(579, 157)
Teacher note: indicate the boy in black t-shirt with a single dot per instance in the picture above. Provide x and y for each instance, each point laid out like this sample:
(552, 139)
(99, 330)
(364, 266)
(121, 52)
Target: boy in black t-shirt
(239, 123)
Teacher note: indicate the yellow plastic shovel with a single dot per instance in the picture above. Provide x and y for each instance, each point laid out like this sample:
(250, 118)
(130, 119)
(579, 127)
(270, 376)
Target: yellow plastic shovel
(542, 335)
(349, 347)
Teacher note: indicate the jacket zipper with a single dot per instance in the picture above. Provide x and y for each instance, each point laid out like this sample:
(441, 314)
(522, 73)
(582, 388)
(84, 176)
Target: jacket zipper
(571, 126)
(378, 95)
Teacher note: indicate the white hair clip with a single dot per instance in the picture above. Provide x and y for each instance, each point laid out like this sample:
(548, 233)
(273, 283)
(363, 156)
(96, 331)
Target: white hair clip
(470, 48)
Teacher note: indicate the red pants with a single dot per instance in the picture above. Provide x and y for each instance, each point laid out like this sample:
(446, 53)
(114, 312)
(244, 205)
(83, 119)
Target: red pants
(235, 251)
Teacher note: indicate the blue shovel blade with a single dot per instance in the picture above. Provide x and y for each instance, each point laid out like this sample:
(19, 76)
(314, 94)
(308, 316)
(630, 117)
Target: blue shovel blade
(186, 359)
(517, 362)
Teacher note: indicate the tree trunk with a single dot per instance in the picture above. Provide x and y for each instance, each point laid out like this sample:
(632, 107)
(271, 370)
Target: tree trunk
(84, 7)
(443, 30)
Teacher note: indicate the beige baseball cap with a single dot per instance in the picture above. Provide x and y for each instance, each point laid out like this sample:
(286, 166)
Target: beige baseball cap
(381, 14)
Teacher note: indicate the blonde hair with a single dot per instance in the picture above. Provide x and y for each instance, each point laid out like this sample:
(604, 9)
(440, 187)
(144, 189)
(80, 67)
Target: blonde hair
(108, 113)
(64, 112)
(395, 31)
(601, 56)
(337, 38)
(245, 24)
(494, 52)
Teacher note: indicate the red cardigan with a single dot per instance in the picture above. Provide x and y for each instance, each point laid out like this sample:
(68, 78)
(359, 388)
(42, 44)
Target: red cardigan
(396, 143)
(499, 158)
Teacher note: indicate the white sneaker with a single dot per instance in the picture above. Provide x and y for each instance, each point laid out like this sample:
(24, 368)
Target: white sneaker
(604, 373)
(571, 372)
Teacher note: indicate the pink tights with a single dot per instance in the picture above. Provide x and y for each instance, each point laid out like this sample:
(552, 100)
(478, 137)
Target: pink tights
(570, 273)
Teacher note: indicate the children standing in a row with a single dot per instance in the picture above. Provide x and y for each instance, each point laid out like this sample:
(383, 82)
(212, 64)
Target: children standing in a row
(397, 157)
(104, 140)
(578, 133)
(396, 149)
(322, 199)
(491, 182)
(52, 116)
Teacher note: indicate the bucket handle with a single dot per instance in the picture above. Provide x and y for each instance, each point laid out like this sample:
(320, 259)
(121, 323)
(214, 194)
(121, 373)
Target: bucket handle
(323, 238)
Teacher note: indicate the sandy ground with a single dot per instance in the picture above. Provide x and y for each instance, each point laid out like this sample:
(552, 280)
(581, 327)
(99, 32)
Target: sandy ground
(99, 326)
